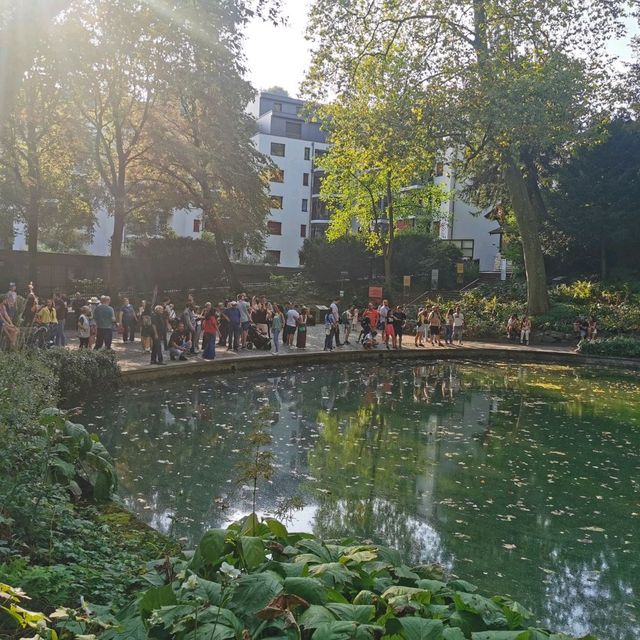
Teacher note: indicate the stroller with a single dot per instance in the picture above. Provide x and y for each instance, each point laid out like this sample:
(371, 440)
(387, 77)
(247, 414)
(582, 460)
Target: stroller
(40, 337)
(258, 340)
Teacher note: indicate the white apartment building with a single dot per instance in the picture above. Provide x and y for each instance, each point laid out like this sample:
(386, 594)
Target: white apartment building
(292, 143)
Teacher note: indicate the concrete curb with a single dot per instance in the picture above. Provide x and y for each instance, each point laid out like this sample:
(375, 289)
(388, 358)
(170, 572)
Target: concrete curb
(252, 363)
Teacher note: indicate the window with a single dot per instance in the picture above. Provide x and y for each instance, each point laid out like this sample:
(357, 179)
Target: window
(277, 175)
(293, 129)
(276, 202)
(277, 149)
(277, 106)
(303, 230)
(196, 226)
(305, 204)
(272, 257)
(274, 228)
(465, 246)
(305, 179)
(307, 153)
(439, 169)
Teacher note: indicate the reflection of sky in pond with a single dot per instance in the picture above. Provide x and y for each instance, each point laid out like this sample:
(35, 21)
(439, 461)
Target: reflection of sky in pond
(522, 478)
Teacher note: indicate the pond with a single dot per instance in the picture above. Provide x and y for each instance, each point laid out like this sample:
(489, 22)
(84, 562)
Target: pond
(524, 479)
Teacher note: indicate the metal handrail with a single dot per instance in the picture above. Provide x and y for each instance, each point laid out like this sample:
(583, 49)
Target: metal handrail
(471, 284)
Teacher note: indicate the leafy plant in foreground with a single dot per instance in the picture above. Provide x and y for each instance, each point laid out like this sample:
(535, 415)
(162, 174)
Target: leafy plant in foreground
(256, 580)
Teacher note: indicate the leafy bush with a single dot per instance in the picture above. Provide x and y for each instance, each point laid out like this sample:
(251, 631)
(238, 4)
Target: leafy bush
(80, 372)
(256, 580)
(618, 346)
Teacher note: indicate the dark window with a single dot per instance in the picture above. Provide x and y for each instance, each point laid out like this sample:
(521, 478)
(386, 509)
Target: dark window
(465, 246)
(196, 226)
(272, 257)
(303, 230)
(439, 169)
(276, 202)
(277, 149)
(277, 106)
(305, 179)
(320, 152)
(274, 228)
(277, 175)
(305, 204)
(307, 153)
(293, 129)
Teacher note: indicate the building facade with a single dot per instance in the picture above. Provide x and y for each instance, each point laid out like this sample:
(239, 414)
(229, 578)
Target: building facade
(293, 144)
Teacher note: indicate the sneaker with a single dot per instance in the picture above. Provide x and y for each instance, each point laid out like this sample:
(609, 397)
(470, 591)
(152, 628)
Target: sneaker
(183, 358)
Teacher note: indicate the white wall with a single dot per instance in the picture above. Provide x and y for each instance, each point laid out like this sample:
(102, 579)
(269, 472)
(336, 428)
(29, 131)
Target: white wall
(292, 191)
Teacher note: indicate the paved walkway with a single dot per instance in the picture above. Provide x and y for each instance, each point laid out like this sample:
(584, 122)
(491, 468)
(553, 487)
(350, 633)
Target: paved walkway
(131, 357)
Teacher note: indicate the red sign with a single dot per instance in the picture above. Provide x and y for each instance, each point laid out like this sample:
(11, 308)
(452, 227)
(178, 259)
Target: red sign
(375, 293)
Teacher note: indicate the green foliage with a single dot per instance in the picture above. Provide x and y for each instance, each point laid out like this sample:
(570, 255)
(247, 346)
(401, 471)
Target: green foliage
(325, 261)
(80, 373)
(618, 346)
(296, 586)
(14, 614)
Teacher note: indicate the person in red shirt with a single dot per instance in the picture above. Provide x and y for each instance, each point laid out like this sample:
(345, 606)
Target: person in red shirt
(209, 330)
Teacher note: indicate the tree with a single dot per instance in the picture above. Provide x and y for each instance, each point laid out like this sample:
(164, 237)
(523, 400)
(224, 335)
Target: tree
(508, 83)
(377, 167)
(594, 199)
(43, 180)
(203, 153)
(325, 262)
(115, 53)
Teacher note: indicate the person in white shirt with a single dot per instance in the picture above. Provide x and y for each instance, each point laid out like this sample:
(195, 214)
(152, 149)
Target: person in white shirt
(336, 318)
(290, 325)
(458, 325)
(383, 313)
(84, 327)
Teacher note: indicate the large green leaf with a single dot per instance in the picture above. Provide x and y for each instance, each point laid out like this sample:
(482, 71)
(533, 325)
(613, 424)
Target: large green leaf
(358, 613)
(514, 612)
(210, 631)
(209, 591)
(252, 551)
(421, 629)
(317, 549)
(155, 598)
(277, 528)
(211, 549)
(452, 633)
(412, 593)
(312, 590)
(332, 573)
(314, 616)
(488, 610)
(338, 630)
(256, 590)
(500, 635)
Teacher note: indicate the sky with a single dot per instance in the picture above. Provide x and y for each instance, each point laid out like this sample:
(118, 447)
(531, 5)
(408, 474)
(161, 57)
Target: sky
(280, 55)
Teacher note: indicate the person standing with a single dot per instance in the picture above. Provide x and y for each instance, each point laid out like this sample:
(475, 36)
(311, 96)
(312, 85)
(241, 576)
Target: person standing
(421, 328)
(105, 318)
(399, 319)
(84, 327)
(336, 321)
(435, 322)
(209, 331)
(6, 325)
(277, 323)
(301, 335)
(30, 308)
(448, 329)
(128, 319)
(11, 302)
(458, 325)
(60, 304)
(291, 322)
(383, 313)
(235, 325)
(330, 324)
(244, 308)
(158, 328)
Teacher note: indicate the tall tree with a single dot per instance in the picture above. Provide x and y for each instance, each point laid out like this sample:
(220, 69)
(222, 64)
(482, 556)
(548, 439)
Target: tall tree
(381, 151)
(115, 51)
(509, 82)
(43, 179)
(203, 153)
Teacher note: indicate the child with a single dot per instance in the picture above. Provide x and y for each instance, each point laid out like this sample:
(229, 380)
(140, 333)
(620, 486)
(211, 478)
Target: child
(84, 328)
(369, 341)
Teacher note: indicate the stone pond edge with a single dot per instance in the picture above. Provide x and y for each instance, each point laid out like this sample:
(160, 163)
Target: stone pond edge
(251, 363)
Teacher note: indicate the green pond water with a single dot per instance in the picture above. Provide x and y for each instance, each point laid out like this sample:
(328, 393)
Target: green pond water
(522, 479)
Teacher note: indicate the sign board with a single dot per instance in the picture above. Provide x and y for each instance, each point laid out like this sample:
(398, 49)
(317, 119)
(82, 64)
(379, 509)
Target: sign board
(503, 269)
(375, 293)
(434, 278)
(406, 281)
(341, 293)
(459, 267)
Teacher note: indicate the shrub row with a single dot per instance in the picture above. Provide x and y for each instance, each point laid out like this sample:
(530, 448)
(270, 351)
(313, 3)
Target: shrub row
(617, 346)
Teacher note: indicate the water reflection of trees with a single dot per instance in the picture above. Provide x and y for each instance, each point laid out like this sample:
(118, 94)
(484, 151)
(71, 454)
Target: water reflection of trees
(443, 461)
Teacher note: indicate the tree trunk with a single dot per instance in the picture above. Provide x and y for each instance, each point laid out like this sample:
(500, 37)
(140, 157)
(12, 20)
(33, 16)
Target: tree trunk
(33, 223)
(115, 262)
(235, 284)
(527, 217)
(603, 260)
(388, 251)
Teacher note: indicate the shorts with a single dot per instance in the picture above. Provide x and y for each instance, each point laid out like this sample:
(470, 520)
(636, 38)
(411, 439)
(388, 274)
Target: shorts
(288, 331)
(245, 325)
(421, 330)
(389, 330)
(434, 330)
